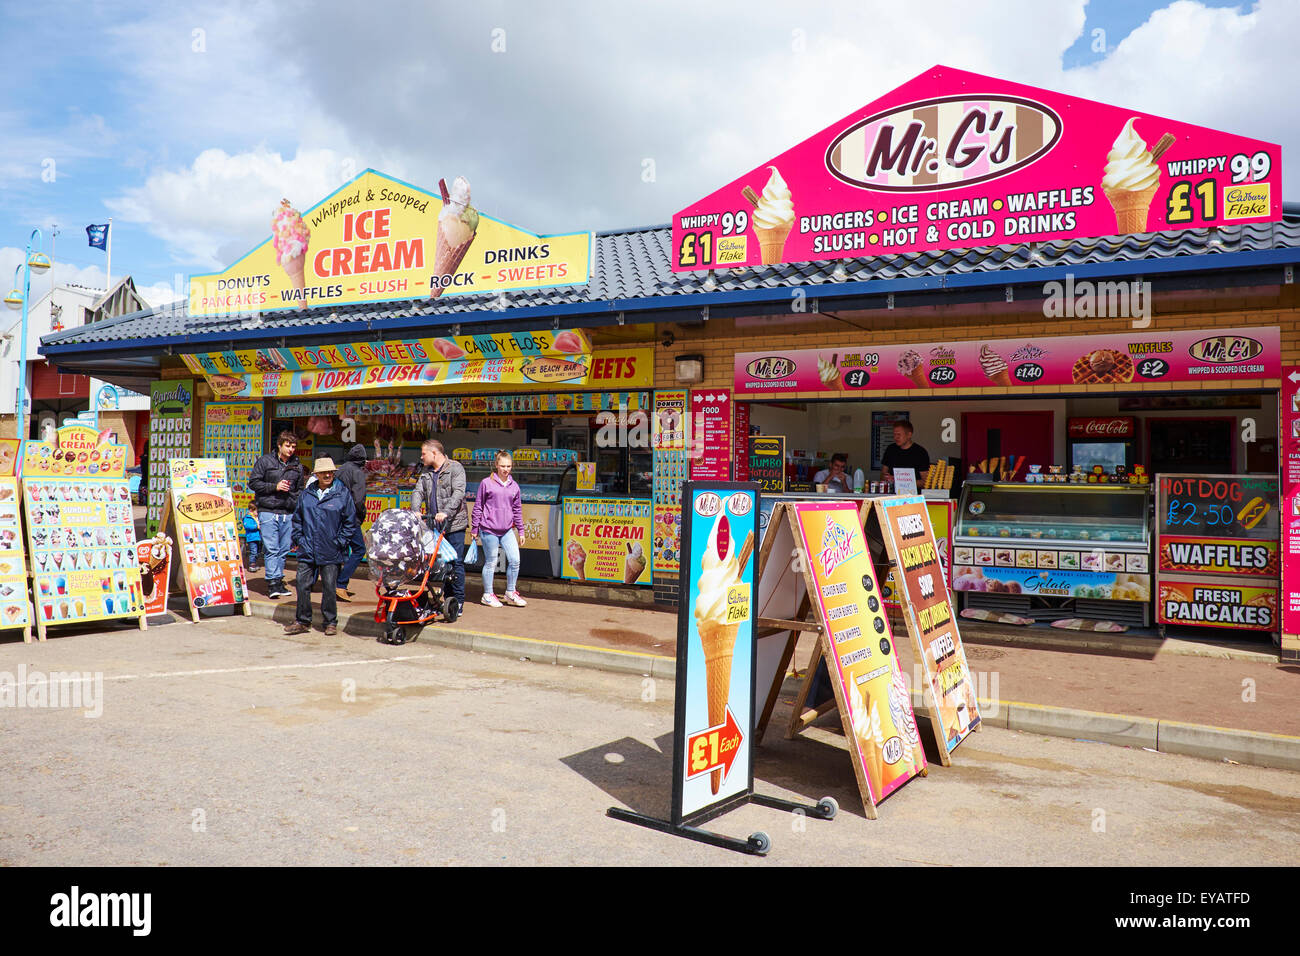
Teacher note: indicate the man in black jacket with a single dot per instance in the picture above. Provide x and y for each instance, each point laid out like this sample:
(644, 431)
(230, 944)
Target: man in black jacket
(275, 482)
(352, 475)
(323, 524)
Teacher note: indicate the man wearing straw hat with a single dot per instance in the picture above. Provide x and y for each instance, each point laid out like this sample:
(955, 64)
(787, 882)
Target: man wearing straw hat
(324, 523)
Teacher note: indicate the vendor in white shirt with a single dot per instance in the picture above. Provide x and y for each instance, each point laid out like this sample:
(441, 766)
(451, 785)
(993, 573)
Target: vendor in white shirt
(836, 477)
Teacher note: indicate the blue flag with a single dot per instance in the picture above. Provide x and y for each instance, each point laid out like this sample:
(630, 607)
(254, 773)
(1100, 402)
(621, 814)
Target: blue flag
(98, 236)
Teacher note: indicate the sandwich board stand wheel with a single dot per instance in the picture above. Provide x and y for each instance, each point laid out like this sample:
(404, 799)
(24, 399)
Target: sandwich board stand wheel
(715, 703)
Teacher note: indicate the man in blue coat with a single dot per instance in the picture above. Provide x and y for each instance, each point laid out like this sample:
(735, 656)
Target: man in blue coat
(324, 523)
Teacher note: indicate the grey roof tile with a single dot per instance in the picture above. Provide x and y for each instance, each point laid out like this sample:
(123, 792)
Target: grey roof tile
(634, 264)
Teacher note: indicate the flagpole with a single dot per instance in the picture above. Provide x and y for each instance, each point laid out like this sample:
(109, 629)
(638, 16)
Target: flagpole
(110, 254)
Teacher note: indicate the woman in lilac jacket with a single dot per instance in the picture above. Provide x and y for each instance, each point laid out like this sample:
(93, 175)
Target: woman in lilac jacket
(498, 520)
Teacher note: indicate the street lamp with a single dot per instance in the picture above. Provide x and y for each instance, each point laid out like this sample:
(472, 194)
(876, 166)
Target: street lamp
(33, 261)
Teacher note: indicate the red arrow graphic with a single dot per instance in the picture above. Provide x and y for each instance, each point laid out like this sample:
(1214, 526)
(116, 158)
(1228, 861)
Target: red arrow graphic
(713, 748)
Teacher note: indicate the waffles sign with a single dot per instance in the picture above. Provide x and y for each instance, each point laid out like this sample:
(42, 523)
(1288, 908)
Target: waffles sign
(378, 239)
(954, 159)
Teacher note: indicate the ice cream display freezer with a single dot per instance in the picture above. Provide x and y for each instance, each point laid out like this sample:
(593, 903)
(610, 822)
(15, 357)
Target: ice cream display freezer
(1055, 550)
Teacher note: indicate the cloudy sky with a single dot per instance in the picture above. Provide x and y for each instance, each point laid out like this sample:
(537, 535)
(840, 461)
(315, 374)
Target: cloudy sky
(187, 122)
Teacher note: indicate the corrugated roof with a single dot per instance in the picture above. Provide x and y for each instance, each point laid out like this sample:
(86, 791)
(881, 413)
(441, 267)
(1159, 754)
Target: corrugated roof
(634, 265)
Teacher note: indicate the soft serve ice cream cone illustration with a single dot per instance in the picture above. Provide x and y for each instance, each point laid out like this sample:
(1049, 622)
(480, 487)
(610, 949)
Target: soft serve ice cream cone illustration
(290, 238)
(773, 217)
(717, 635)
(457, 227)
(1132, 178)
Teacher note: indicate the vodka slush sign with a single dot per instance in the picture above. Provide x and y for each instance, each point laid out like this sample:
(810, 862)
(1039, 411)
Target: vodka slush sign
(954, 159)
(379, 239)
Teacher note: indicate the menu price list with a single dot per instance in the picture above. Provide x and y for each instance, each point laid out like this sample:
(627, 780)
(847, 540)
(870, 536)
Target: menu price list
(82, 536)
(13, 574)
(168, 438)
(669, 473)
(238, 440)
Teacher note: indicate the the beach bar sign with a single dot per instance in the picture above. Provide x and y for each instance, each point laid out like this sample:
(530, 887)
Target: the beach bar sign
(954, 159)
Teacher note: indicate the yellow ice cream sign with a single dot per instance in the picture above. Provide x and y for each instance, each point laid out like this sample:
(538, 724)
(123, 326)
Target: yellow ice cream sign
(376, 240)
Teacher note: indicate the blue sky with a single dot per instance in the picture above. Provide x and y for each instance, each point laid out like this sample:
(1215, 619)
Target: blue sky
(187, 122)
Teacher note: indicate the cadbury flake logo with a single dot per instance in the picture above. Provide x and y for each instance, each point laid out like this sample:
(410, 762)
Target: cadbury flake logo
(947, 141)
(1246, 202)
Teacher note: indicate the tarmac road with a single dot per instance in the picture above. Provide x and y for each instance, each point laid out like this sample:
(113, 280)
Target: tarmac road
(226, 743)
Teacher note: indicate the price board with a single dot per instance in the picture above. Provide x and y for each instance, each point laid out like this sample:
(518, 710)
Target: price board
(207, 535)
(930, 616)
(1218, 553)
(767, 463)
(80, 530)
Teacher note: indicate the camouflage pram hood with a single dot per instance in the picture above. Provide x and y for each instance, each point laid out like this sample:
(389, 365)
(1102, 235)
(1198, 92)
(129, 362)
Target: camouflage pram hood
(398, 546)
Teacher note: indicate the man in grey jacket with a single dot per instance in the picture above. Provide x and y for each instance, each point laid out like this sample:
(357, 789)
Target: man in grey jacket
(440, 493)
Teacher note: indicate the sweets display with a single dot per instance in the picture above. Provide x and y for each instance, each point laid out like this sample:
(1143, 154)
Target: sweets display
(170, 408)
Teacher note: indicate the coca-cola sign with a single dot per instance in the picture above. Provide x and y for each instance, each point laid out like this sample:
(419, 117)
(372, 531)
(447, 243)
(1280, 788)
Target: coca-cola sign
(1099, 428)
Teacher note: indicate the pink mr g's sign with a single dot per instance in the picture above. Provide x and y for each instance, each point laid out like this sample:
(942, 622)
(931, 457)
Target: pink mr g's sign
(953, 159)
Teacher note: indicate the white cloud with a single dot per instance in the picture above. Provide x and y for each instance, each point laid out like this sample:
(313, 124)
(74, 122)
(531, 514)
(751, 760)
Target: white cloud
(553, 132)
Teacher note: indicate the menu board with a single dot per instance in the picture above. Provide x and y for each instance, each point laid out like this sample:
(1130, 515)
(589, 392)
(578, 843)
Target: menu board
(869, 685)
(1218, 555)
(80, 529)
(767, 463)
(740, 439)
(15, 611)
(1119, 359)
(1290, 453)
(668, 440)
(233, 431)
(605, 539)
(930, 616)
(710, 434)
(171, 413)
(940, 513)
(206, 529)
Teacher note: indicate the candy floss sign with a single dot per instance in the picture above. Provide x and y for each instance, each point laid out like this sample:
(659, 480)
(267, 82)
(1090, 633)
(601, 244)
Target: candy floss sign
(953, 159)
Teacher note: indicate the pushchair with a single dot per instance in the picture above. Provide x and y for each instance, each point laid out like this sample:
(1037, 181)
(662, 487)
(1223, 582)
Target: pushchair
(410, 577)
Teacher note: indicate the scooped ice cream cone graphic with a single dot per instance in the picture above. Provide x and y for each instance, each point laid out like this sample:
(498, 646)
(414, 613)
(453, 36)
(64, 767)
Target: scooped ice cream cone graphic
(717, 634)
(1132, 178)
(634, 563)
(290, 238)
(773, 217)
(577, 555)
(457, 226)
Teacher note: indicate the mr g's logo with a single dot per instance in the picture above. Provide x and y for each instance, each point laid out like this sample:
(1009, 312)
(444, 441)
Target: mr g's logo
(951, 140)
